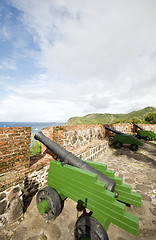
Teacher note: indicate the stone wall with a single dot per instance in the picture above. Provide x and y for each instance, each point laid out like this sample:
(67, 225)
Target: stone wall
(84, 141)
(130, 128)
(148, 127)
(72, 137)
(14, 162)
(125, 128)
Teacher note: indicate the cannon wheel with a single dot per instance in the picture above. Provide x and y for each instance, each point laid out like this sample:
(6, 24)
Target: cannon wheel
(138, 136)
(134, 147)
(117, 145)
(49, 203)
(88, 227)
(147, 138)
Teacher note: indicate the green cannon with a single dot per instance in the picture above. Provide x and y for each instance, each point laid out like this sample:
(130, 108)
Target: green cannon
(121, 138)
(98, 191)
(144, 134)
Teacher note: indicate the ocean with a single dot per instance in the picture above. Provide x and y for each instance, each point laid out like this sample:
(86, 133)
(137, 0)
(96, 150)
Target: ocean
(35, 126)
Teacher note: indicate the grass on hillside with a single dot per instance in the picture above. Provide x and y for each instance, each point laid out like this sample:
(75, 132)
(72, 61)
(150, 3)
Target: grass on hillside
(108, 118)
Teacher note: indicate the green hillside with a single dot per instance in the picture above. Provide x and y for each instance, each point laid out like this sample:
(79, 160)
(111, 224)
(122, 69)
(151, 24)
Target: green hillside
(107, 118)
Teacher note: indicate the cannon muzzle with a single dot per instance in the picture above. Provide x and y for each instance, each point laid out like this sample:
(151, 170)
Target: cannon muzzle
(68, 158)
(114, 131)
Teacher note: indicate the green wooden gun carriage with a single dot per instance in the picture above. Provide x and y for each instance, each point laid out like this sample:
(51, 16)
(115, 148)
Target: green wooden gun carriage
(121, 138)
(144, 134)
(93, 187)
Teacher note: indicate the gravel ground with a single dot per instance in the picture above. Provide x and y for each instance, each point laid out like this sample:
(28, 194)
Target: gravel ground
(137, 169)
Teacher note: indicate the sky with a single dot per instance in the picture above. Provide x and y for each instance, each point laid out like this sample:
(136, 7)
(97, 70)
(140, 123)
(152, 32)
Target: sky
(66, 58)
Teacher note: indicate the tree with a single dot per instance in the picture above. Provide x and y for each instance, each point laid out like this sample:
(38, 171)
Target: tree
(150, 118)
(135, 120)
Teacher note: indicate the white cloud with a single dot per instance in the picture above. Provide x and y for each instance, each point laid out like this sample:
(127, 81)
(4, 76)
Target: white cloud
(9, 64)
(4, 33)
(97, 57)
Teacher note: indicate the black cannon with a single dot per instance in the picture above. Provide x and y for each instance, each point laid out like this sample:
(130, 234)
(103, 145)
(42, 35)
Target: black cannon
(138, 126)
(68, 158)
(114, 131)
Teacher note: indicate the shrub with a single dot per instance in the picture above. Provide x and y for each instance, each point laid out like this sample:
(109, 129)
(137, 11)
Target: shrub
(135, 120)
(36, 148)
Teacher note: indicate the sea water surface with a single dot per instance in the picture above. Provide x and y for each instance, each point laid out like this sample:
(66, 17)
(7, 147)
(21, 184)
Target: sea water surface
(35, 126)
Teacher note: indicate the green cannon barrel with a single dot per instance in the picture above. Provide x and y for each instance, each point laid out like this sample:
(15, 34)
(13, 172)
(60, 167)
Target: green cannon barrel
(68, 158)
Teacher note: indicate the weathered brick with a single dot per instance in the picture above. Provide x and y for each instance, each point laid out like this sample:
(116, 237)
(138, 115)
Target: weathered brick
(2, 143)
(11, 132)
(1, 131)
(14, 146)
